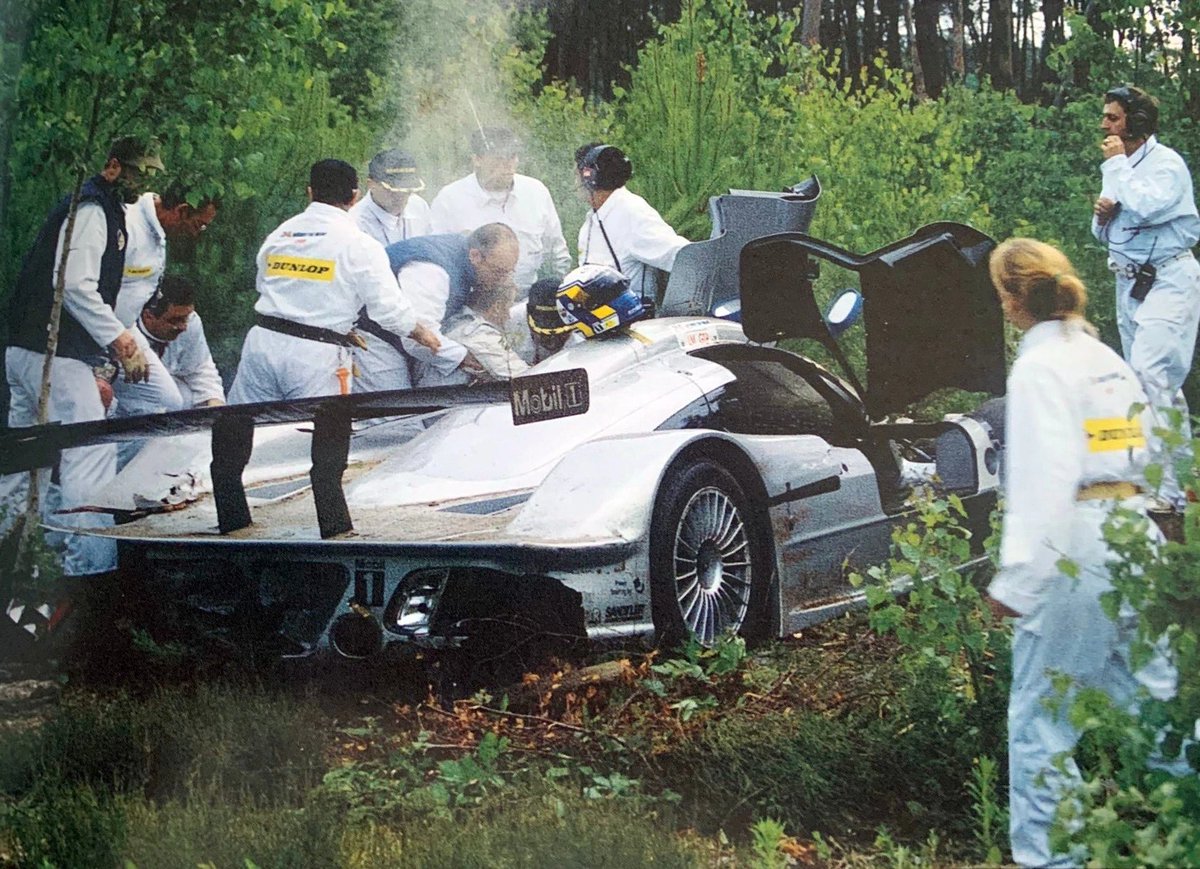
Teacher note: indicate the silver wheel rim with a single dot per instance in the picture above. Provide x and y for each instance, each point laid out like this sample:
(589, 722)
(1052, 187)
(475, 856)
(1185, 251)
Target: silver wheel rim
(712, 565)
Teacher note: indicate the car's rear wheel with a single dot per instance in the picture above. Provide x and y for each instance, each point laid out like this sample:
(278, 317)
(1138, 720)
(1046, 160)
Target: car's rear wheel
(706, 557)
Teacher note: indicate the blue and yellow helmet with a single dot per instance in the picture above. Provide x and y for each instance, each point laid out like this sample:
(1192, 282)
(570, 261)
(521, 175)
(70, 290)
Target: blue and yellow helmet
(598, 299)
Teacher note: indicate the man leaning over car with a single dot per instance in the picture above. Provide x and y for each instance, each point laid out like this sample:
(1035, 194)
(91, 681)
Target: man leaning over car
(315, 272)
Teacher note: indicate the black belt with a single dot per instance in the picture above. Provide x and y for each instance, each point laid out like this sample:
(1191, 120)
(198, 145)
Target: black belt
(366, 324)
(299, 330)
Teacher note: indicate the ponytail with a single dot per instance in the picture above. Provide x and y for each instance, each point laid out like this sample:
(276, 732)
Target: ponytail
(1039, 278)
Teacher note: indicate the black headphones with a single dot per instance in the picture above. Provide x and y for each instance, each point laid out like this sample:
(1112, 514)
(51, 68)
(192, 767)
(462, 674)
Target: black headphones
(1141, 110)
(605, 167)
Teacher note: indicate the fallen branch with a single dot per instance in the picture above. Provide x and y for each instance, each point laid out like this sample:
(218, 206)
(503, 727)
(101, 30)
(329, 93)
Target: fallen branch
(549, 722)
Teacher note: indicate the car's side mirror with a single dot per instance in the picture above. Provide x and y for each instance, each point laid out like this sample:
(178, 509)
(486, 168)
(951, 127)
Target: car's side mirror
(844, 311)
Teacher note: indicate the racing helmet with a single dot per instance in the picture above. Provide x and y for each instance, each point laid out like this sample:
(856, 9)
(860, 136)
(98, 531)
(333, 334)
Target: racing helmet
(541, 310)
(598, 299)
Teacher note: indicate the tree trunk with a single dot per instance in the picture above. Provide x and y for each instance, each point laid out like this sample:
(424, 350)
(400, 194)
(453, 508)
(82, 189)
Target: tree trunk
(918, 73)
(1081, 70)
(958, 52)
(810, 26)
(1053, 35)
(1187, 75)
(889, 20)
(1001, 55)
(870, 32)
(850, 31)
(929, 45)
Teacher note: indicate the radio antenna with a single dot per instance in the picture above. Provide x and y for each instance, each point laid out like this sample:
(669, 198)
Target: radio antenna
(482, 135)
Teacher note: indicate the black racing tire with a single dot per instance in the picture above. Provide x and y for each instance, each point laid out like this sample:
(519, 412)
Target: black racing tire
(709, 565)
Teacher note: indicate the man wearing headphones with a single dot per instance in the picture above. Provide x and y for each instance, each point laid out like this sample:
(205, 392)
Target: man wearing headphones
(622, 229)
(1146, 215)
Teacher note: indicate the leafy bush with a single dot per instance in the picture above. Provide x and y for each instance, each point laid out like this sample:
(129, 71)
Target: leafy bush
(61, 825)
(954, 658)
(1139, 804)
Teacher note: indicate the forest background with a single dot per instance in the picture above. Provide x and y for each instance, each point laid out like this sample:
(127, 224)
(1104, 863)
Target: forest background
(909, 111)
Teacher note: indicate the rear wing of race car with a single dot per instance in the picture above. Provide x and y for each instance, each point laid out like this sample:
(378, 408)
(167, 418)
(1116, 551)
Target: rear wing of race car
(533, 398)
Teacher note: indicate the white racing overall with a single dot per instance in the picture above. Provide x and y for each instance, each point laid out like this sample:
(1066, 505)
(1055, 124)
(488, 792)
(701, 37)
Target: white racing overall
(1157, 223)
(1067, 430)
(317, 269)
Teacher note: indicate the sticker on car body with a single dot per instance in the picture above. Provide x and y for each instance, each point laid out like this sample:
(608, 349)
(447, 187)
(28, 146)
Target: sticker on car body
(539, 397)
(625, 612)
(699, 335)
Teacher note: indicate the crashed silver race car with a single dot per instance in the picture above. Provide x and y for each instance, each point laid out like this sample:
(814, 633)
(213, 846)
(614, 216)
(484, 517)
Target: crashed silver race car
(681, 475)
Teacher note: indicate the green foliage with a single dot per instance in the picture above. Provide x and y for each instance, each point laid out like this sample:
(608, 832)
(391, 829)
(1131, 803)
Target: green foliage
(1139, 804)
(187, 834)
(30, 570)
(701, 665)
(62, 825)
(411, 782)
(173, 743)
(944, 625)
(953, 654)
(987, 807)
(737, 102)
(545, 826)
(766, 839)
(901, 856)
(799, 768)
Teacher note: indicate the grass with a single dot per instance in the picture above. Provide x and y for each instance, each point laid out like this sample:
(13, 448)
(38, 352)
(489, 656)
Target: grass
(676, 765)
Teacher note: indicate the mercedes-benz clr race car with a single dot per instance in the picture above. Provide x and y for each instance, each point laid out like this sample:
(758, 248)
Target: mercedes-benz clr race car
(682, 475)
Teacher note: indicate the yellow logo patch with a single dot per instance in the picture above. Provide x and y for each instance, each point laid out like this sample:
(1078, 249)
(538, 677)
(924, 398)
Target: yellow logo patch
(1114, 433)
(138, 271)
(299, 267)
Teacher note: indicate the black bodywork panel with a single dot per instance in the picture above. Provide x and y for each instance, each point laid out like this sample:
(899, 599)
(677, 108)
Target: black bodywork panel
(931, 316)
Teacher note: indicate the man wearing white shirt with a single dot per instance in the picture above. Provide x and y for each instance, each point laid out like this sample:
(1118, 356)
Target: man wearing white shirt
(89, 329)
(150, 222)
(495, 193)
(390, 212)
(1146, 216)
(175, 333)
(622, 229)
(316, 271)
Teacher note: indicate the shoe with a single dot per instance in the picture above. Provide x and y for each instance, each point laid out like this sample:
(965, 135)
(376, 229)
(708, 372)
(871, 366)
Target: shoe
(1167, 518)
(1158, 504)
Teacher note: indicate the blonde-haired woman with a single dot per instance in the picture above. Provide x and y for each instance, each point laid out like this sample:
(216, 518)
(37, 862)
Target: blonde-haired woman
(1072, 449)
